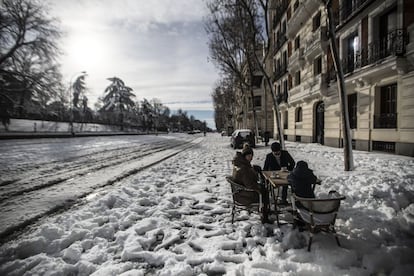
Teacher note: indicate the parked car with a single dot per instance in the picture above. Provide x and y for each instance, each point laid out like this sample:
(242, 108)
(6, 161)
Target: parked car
(241, 136)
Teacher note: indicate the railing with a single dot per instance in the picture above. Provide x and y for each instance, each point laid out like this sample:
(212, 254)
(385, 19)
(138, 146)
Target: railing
(280, 10)
(385, 120)
(280, 72)
(393, 44)
(282, 97)
(348, 8)
(279, 42)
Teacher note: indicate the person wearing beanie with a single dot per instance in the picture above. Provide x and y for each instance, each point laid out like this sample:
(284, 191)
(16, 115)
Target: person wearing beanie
(245, 174)
(276, 160)
(301, 179)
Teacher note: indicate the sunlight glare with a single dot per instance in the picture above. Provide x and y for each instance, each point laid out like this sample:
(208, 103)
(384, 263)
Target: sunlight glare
(87, 51)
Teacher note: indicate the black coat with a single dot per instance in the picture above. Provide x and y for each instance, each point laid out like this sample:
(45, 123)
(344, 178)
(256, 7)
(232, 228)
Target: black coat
(286, 160)
(301, 179)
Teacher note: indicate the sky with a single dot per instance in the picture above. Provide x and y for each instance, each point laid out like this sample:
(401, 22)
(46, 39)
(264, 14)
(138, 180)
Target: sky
(174, 217)
(158, 48)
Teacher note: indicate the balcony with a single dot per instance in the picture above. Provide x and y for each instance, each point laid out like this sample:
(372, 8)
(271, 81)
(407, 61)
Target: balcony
(296, 61)
(302, 13)
(280, 72)
(349, 8)
(280, 9)
(279, 43)
(316, 43)
(316, 86)
(296, 94)
(385, 120)
(392, 45)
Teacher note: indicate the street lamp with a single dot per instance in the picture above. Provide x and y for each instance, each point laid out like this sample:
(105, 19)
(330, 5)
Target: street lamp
(78, 74)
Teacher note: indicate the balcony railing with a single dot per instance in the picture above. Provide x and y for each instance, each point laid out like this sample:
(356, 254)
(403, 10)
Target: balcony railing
(282, 97)
(279, 42)
(348, 8)
(393, 44)
(316, 43)
(280, 72)
(385, 120)
(280, 9)
(296, 60)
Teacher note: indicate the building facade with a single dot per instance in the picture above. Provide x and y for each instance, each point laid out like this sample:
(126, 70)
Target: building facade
(376, 48)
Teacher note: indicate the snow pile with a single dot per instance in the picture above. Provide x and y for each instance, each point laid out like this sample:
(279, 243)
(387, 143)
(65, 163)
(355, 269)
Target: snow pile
(174, 219)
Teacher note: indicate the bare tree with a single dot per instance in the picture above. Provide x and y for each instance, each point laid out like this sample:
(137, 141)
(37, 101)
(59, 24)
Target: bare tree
(255, 27)
(28, 52)
(230, 46)
(348, 157)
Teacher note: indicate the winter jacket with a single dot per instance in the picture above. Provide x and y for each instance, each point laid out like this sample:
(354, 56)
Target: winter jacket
(286, 160)
(301, 180)
(244, 174)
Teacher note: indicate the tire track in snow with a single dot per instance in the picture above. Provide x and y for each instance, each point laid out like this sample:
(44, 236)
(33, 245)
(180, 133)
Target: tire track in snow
(24, 209)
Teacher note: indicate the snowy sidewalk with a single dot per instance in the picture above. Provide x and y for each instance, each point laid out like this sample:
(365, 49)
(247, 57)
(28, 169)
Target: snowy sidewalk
(174, 219)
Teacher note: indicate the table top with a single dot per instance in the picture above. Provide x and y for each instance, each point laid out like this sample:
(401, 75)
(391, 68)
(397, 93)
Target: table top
(277, 178)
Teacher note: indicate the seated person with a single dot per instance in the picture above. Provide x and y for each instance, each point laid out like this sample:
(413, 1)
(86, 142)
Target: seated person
(248, 176)
(301, 180)
(276, 160)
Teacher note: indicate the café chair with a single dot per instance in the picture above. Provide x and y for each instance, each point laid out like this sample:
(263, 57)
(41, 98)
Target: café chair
(244, 198)
(318, 214)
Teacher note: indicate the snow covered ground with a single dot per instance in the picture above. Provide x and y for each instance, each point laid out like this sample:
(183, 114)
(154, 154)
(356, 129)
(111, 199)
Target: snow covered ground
(174, 219)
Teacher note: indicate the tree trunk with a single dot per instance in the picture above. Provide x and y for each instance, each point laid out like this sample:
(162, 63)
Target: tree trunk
(348, 158)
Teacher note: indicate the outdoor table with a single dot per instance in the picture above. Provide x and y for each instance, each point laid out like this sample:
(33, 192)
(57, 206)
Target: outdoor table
(275, 180)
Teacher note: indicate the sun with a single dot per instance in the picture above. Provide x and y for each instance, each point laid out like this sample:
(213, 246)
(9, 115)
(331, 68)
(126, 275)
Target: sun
(87, 51)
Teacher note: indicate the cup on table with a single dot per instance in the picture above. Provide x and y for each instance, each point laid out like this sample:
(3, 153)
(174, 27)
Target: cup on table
(284, 169)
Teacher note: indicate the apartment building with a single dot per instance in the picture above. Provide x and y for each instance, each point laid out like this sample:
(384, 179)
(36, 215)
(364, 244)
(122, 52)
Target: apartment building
(377, 57)
(259, 101)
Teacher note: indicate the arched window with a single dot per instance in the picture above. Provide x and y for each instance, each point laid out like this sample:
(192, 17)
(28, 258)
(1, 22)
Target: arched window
(298, 115)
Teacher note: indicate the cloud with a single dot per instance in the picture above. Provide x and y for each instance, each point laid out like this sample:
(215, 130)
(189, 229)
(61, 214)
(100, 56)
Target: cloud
(158, 47)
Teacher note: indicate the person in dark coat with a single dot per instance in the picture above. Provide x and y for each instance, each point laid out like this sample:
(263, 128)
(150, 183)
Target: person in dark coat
(247, 175)
(276, 160)
(301, 180)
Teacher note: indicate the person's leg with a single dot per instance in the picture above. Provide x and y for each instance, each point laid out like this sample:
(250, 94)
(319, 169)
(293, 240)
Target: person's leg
(265, 210)
(284, 194)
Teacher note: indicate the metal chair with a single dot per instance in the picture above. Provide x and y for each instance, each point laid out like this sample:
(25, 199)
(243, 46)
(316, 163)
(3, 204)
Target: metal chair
(318, 214)
(244, 198)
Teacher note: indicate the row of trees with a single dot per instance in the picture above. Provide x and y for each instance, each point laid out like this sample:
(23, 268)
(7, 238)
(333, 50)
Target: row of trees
(240, 46)
(31, 82)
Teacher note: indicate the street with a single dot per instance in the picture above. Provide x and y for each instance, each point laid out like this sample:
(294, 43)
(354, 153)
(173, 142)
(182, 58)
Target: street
(42, 176)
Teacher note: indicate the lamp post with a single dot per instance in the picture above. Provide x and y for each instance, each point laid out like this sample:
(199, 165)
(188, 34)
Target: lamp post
(78, 74)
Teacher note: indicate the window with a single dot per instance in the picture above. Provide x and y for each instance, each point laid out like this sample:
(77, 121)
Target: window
(389, 99)
(352, 52)
(297, 78)
(316, 21)
(386, 107)
(285, 120)
(352, 110)
(257, 101)
(317, 66)
(298, 115)
(297, 42)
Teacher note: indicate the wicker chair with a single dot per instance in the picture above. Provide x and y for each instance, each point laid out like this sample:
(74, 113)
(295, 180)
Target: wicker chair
(318, 214)
(244, 199)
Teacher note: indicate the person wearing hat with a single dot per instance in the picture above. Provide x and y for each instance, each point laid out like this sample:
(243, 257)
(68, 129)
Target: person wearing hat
(245, 174)
(276, 160)
(301, 179)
